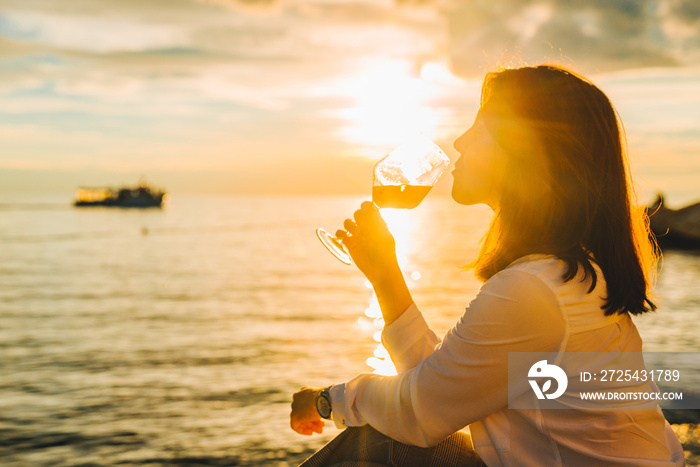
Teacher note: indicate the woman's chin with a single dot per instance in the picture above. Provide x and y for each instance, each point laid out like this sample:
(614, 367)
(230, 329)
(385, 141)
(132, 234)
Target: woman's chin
(465, 198)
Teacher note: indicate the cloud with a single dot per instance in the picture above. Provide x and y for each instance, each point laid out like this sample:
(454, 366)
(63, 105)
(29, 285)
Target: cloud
(595, 35)
(98, 34)
(685, 11)
(11, 49)
(195, 50)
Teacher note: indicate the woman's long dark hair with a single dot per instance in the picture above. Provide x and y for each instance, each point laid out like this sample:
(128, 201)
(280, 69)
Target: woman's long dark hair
(567, 187)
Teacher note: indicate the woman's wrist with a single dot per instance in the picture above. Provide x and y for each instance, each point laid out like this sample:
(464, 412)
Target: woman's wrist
(392, 294)
(388, 277)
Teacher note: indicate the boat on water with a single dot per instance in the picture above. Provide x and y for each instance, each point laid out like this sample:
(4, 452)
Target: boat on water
(142, 196)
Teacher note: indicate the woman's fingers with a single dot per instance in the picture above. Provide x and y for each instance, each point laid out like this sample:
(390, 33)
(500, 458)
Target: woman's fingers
(309, 428)
(319, 424)
(302, 428)
(350, 229)
(367, 208)
(350, 226)
(361, 216)
(368, 214)
(365, 216)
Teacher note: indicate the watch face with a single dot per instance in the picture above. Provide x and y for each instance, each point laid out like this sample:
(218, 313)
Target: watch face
(323, 406)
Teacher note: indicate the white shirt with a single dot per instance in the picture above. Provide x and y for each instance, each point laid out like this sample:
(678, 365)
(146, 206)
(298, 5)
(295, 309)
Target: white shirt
(442, 387)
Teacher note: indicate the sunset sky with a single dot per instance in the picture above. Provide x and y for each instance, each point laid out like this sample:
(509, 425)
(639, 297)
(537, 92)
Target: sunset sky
(293, 96)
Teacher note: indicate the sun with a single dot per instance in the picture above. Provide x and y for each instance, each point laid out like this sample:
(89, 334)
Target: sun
(390, 105)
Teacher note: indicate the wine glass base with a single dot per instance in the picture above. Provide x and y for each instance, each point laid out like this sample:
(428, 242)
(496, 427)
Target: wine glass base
(334, 245)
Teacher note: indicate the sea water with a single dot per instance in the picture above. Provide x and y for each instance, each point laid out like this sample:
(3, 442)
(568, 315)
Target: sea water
(177, 336)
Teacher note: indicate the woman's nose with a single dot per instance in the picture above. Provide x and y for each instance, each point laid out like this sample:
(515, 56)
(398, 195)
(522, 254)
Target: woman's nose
(461, 142)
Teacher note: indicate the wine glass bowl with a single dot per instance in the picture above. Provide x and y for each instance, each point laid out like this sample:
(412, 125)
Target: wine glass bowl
(401, 180)
(405, 176)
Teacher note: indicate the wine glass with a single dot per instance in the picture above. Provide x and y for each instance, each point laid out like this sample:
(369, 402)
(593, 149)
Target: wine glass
(401, 180)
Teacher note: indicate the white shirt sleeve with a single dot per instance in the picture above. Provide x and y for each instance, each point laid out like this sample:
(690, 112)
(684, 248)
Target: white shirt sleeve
(409, 339)
(465, 378)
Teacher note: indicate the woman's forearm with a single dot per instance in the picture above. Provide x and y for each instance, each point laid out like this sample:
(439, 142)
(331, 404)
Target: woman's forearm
(392, 294)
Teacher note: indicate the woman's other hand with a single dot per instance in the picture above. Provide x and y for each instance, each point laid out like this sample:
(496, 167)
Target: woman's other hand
(370, 243)
(304, 418)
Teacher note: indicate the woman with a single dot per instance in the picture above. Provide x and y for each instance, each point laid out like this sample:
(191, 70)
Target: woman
(565, 263)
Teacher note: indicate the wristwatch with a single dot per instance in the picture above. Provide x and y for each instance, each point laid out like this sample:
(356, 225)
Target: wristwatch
(323, 403)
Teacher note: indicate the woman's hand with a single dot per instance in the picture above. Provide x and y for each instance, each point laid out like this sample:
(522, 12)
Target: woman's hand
(304, 418)
(373, 250)
(370, 243)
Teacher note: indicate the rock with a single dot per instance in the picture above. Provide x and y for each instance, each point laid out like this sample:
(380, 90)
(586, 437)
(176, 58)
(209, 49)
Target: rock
(675, 228)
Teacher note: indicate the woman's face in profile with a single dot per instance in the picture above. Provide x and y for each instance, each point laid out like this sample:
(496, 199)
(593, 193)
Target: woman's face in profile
(477, 173)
